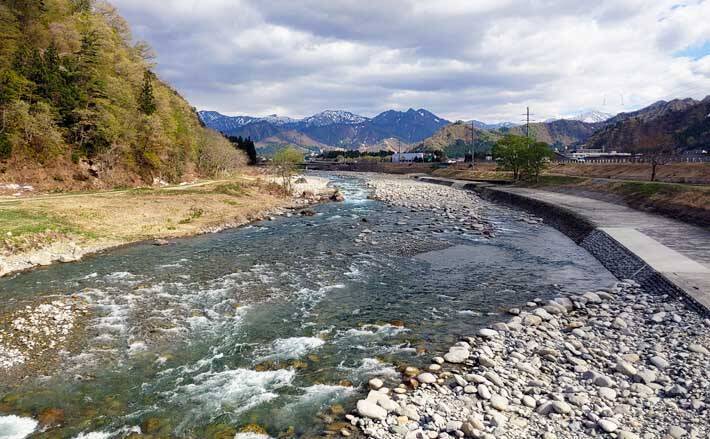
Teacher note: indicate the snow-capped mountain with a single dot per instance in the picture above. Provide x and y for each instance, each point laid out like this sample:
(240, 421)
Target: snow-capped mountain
(330, 117)
(491, 126)
(586, 117)
(214, 119)
(592, 117)
(277, 120)
(334, 128)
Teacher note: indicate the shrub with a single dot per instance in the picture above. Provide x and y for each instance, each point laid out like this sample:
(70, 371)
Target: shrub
(218, 156)
(284, 165)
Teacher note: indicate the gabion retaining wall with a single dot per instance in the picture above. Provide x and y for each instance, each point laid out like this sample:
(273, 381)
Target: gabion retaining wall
(616, 258)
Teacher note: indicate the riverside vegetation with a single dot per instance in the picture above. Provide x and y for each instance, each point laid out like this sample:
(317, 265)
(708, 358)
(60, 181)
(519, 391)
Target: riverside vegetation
(80, 107)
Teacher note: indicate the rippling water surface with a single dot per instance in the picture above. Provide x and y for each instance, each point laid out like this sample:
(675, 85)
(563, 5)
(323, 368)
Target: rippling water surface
(274, 323)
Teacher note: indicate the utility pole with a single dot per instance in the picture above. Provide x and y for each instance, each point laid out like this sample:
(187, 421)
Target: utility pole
(527, 125)
(473, 148)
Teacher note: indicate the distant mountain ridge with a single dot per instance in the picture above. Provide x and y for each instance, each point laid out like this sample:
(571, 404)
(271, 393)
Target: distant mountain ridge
(491, 126)
(330, 128)
(681, 124)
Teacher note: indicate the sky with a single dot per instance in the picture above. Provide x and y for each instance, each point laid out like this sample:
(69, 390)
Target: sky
(461, 59)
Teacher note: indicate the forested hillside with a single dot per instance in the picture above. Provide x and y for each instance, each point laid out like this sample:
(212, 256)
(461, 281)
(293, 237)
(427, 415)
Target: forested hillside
(455, 140)
(81, 106)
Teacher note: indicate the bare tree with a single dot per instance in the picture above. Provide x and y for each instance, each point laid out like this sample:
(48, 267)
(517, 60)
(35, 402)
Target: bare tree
(661, 156)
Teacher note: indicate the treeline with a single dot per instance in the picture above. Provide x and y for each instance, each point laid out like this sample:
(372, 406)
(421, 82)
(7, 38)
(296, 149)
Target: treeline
(462, 148)
(353, 154)
(73, 86)
(247, 145)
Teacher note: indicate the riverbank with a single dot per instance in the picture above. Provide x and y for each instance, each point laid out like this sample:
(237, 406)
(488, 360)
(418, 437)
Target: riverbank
(615, 363)
(619, 362)
(41, 230)
(685, 202)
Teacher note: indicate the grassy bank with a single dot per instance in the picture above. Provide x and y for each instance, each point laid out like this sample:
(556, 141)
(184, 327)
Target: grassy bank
(40, 229)
(689, 203)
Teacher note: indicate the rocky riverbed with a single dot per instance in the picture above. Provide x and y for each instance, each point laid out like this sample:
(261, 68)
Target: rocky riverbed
(452, 210)
(618, 362)
(615, 363)
(33, 333)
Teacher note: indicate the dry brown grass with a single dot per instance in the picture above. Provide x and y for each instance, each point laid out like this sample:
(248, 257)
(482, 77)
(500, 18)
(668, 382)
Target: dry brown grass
(139, 214)
(693, 173)
(480, 171)
(686, 202)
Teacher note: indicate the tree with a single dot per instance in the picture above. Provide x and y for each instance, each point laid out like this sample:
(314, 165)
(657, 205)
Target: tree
(659, 157)
(524, 159)
(535, 159)
(146, 101)
(284, 165)
(509, 153)
(247, 145)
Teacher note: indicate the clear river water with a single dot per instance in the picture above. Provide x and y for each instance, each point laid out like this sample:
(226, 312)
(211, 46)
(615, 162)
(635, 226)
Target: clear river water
(275, 323)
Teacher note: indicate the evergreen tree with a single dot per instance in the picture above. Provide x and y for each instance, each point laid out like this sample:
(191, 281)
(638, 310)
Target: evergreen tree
(82, 5)
(146, 101)
(247, 145)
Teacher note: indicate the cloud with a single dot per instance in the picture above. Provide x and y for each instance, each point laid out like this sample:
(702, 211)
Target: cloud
(461, 59)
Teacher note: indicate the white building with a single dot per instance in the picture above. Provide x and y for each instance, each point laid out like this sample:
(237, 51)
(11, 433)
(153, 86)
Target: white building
(407, 157)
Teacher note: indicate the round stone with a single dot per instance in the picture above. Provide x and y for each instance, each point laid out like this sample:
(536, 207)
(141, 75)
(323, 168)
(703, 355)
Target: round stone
(426, 378)
(607, 425)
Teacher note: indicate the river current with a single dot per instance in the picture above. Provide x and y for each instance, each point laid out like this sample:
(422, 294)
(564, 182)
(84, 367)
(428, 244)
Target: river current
(279, 324)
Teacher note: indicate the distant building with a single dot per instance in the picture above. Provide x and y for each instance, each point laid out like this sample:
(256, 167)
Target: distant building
(598, 154)
(408, 157)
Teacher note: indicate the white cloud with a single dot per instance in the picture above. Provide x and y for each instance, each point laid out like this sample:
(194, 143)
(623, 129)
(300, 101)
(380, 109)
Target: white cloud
(461, 59)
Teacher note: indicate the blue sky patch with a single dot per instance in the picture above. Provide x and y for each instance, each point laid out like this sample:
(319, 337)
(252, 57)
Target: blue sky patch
(695, 51)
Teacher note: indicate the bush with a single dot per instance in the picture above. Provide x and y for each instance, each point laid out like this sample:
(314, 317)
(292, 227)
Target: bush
(284, 165)
(33, 132)
(218, 156)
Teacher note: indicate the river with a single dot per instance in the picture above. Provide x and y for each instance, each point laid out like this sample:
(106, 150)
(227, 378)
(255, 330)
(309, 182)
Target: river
(279, 324)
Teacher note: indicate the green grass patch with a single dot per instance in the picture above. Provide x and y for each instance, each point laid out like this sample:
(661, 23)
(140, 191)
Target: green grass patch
(19, 222)
(141, 191)
(649, 189)
(556, 180)
(195, 213)
(233, 189)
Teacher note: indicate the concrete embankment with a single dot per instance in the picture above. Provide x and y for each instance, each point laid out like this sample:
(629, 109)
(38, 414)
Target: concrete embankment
(664, 256)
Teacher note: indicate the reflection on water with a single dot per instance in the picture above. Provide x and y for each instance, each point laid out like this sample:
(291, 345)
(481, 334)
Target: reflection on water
(273, 323)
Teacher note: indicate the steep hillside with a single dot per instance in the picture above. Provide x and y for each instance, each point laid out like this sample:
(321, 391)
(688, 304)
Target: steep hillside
(81, 107)
(655, 110)
(292, 137)
(391, 145)
(558, 132)
(680, 124)
(337, 129)
(455, 140)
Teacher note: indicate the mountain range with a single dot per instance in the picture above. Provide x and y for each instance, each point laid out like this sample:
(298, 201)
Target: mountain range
(329, 129)
(683, 123)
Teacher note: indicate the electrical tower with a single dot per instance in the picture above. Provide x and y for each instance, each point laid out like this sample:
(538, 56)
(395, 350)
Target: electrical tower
(527, 124)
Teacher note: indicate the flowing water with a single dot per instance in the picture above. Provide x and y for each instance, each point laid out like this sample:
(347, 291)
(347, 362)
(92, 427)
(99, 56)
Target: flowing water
(275, 323)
